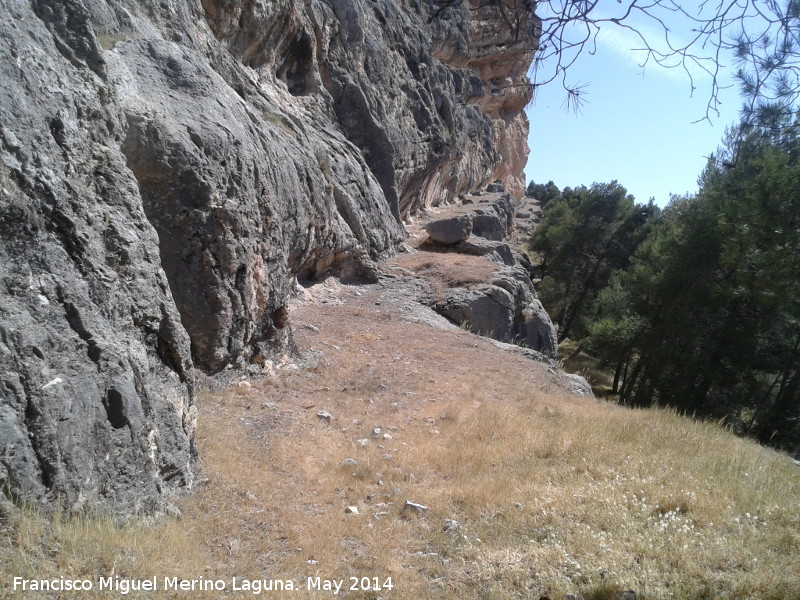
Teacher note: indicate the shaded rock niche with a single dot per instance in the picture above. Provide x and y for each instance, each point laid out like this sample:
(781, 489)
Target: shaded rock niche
(169, 168)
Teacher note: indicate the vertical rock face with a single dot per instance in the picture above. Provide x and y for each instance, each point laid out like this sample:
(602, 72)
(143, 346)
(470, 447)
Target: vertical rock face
(167, 168)
(492, 45)
(432, 95)
(95, 367)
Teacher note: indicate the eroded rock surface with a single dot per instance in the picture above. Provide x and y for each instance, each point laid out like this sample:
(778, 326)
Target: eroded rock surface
(168, 168)
(490, 216)
(96, 370)
(451, 230)
(506, 307)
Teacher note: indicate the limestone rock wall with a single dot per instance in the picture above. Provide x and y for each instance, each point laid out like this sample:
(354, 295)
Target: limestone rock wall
(505, 307)
(96, 398)
(168, 168)
(492, 45)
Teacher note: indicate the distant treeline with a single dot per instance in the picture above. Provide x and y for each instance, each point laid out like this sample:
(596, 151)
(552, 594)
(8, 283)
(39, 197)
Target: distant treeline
(697, 305)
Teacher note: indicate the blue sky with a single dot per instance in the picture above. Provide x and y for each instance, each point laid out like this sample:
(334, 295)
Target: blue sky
(636, 125)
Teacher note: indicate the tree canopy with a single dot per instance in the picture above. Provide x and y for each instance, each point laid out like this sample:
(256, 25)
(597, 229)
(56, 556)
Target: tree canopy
(761, 36)
(586, 234)
(699, 308)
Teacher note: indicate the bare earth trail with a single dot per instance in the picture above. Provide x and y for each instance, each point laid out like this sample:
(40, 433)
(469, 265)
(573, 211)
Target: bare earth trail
(397, 381)
(530, 490)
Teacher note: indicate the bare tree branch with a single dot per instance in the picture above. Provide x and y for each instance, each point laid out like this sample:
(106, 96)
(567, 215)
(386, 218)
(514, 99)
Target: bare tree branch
(761, 36)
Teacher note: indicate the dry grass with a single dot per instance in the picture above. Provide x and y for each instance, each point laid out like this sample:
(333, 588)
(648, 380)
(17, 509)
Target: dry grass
(446, 270)
(555, 494)
(87, 546)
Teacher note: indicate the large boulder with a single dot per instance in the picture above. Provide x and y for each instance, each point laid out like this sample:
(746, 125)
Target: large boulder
(493, 217)
(505, 309)
(577, 384)
(499, 252)
(450, 231)
(535, 329)
(489, 311)
(488, 226)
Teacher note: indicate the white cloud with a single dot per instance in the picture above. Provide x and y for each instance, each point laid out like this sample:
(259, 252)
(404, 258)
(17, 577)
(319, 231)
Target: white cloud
(631, 47)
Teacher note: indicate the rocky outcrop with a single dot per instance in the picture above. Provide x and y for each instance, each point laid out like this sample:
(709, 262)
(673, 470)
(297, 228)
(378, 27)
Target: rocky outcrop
(505, 308)
(169, 168)
(493, 216)
(499, 252)
(450, 230)
(488, 215)
(529, 214)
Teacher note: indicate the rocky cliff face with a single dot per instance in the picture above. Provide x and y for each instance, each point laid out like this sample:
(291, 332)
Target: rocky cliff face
(167, 169)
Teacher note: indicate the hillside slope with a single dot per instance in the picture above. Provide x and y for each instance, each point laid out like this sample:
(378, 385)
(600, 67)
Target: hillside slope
(530, 491)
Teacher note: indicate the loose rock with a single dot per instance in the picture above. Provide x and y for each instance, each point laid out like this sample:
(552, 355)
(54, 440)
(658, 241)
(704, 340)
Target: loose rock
(450, 231)
(414, 508)
(451, 525)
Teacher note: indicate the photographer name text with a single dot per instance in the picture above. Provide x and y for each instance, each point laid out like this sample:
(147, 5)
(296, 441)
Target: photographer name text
(124, 586)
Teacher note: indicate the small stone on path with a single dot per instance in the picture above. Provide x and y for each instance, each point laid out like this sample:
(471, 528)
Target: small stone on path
(451, 525)
(414, 508)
